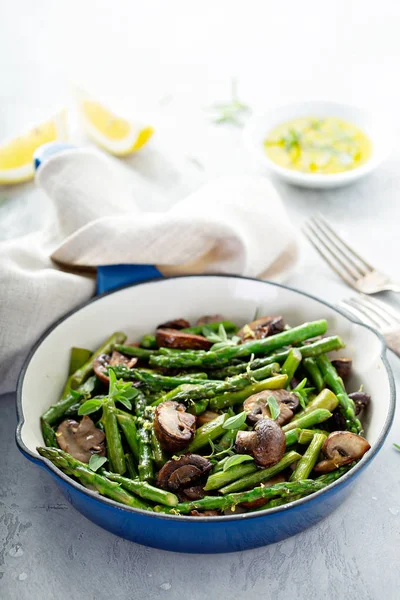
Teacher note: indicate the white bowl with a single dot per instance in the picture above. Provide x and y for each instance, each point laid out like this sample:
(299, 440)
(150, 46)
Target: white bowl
(375, 127)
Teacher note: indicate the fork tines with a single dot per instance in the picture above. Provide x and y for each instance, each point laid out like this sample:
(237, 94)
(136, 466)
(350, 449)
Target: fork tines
(345, 261)
(372, 312)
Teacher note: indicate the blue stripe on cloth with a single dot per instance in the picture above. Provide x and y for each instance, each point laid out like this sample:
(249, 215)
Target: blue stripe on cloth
(111, 277)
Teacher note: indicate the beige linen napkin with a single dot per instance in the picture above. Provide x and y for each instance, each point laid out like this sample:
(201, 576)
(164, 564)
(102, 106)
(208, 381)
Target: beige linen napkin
(229, 225)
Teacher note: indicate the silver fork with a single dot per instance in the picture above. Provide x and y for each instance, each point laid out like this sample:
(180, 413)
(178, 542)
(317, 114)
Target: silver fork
(345, 261)
(378, 315)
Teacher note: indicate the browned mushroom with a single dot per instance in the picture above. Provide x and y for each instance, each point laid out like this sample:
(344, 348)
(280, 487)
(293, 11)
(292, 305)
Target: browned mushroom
(103, 361)
(174, 324)
(256, 406)
(266, 443)
(343, 366)
(206, 417)
(172, 338)
(206, 319)
(81, 440)
(341, 448)
(261, 501)
(261, 328)
(173, 426)
(204, 513)
(361, 400)
(195, 492)
(181, 473)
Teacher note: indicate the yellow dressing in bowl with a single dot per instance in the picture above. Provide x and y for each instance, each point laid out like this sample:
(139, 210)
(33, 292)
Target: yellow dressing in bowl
(318, 145)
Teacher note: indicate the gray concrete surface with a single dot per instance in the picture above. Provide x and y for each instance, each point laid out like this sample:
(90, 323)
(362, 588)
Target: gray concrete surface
(48, 551)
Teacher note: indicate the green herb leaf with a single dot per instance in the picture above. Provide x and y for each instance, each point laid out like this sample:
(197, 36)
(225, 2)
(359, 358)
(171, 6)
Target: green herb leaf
(232, 111)
(300, 385)
(90, 406)
(302, 401)
(274, 407)
(127, 403)
(220, 339)
(397, 446)
(236, 459)
(96, 461)
(236, 421)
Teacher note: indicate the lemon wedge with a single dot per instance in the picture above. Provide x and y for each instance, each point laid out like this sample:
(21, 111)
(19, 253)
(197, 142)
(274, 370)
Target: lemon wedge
(16, 164)
(114, 134)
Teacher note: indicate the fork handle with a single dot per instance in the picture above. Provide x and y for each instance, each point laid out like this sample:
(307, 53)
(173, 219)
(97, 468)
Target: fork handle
(393, 341)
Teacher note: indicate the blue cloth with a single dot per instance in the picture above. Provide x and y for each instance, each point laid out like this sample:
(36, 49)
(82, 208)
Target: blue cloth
(111, 277)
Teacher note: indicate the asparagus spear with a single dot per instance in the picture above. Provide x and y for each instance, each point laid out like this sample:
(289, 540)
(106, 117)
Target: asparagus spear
(309, 458)
(135, 351)
(308, 420)
(143, 489)
(306, 435)
(145, 463)
(130, 466)
(209, 431)
(79, 356)
(57, 410)
(197, 408)
(140, 404)
(332, 379)
(148, 341)
(249, 481)
(158, 453)
(224, 502)
(290, 365)
(230, 436)
(325, 399)
(327, 344)
(83, 373)
(221, 478)
(81, 471)
(233, 398)
(209, 389)
(224, 355)
(159, 382)
(49, 435)
(113, 437)
(128, 426)
(324, 479)
(313, 371)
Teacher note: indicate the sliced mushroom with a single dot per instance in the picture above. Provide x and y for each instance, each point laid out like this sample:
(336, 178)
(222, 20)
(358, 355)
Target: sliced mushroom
(341, 448)
(103, 361)
(261, 501)
(256, 406)
(361, 400)
(261, 328)
(205, 513)
(206, 417)
(173, 426)
(174, 324)
(206, 319)
(180, 474)
(81, 440)
(195, 492)
(266, 443)
(343, 366)
(172, 338)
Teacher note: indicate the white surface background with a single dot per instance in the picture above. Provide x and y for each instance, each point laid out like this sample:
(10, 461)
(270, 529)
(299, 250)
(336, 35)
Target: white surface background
(134, 54)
